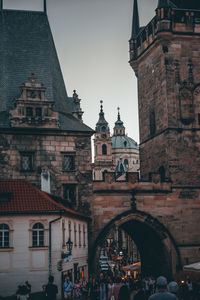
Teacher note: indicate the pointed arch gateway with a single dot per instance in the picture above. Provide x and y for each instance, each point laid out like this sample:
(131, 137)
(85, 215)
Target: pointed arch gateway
(157, 247)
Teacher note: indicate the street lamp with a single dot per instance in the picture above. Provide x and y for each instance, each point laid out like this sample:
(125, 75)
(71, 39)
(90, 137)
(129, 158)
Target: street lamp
(69, 244)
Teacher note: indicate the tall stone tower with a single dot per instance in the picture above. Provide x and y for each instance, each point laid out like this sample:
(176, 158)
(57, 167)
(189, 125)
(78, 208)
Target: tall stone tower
(165, 57)
(103, 149)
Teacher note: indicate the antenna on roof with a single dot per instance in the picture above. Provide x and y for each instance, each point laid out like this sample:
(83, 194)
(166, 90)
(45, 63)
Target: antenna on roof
(45, 6)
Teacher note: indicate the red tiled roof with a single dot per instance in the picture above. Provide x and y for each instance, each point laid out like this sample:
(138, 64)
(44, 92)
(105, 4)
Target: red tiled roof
(26, 198)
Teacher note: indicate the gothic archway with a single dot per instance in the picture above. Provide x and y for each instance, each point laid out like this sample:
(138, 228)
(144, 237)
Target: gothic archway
(157, 247)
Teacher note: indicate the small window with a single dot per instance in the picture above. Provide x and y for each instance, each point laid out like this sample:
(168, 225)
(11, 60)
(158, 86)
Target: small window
(69, 193)
(79, 234)
(38, 111)
(38, 235)
(29, 111)
(199, 119)
(84, 236)
(27, 161)
(104, 149)
(4, 236)
(69, 229)
(126, 162)
(68, 163)
(75, 235)
(125, 143)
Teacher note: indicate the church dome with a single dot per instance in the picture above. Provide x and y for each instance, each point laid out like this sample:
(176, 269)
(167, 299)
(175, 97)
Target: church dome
(123, 142)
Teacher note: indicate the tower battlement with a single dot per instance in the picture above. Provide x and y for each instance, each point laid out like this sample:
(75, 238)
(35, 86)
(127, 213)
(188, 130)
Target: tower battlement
(168, 20)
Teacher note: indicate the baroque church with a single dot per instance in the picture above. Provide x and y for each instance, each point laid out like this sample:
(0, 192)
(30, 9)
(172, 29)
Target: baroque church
(117, 153)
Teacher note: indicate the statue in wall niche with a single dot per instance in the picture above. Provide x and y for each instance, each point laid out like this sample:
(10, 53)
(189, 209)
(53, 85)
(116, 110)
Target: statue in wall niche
(45, 181)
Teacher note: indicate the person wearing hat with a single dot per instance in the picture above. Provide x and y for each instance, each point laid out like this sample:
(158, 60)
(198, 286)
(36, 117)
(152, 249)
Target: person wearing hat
(162, 293)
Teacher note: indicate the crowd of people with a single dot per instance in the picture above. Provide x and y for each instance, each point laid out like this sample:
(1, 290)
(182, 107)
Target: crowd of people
(106, 287)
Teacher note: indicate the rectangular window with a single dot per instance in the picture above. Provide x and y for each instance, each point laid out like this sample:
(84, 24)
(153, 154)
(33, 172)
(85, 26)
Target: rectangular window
(70, 229)
(38, 111)
(29, 111)
(26, 161)
(69, 193)
(75, 237)
(68, 163)
(84, 244)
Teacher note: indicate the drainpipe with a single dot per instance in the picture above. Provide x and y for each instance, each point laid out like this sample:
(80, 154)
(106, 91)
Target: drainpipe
(50, 243)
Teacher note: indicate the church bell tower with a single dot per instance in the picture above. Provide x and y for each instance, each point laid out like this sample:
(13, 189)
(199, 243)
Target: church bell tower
(165, 58)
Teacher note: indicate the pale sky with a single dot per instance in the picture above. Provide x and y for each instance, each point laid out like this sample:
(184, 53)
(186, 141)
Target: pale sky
(91, 38)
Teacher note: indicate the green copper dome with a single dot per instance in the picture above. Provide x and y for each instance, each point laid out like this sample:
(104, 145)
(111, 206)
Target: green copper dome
(123, 142)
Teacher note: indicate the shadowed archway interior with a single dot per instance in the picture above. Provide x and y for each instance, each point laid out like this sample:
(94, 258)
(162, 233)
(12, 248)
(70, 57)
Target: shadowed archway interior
(155, 259)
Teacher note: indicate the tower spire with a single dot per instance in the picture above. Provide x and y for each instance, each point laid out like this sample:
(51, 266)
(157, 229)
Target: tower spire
(135, 23)
(102, 124)
(1, 5)
(45, 6)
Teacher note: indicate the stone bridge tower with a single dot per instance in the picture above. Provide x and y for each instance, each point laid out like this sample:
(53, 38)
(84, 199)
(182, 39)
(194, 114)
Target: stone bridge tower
(161, 211)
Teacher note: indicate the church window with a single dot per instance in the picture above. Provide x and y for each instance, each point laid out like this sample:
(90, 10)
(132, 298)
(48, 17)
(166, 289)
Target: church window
(126, 162)
(29, 111)
(26, 161)
(4, 236)
(38, 235)
(104, 149)
(125, 143)
(68, 163)
(69, 193)
(38, 111)
(152, 121)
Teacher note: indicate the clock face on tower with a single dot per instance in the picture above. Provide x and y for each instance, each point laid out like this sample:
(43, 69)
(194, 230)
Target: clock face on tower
(103, 136)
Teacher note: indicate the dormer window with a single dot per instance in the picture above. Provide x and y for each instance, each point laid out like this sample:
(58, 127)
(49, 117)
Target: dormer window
(29, 111)
(125, 143)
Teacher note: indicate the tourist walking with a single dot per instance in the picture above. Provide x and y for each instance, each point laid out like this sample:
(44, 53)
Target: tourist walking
(92, 289)
(22, 292)
(77, 290)
(111, 287)
(117, 287)
(162, 293)
(51, 290)
(67, 288)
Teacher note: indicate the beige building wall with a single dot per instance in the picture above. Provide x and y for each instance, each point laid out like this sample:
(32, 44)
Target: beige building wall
(23, 262)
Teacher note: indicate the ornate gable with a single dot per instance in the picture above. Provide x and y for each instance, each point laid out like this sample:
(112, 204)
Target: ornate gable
(32, 108)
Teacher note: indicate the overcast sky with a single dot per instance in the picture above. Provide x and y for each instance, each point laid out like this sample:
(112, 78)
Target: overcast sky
(91, 38)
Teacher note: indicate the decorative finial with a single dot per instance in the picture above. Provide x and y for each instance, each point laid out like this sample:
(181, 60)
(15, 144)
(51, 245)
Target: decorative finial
(118, 112)
(101, 101)
(45, 6)
(32, 78)
(135, 22)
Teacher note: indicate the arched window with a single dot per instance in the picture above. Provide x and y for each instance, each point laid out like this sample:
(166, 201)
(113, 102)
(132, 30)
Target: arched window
(126, 162)
(4, 236)
(38, 235)
(104, 149)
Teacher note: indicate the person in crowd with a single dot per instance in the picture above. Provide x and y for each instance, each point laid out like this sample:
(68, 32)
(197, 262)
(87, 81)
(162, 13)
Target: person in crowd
(173, 288)
(117, 287)
(77, 290)
(22, 292)
(124, 293)
(67, 288)
(103, 290)
(84, 287)
(28, 286)
(162, 293)
(51, 290)
(111, 287)
(140, 294)
(92, 289)
(190, 288)
(184, 291)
